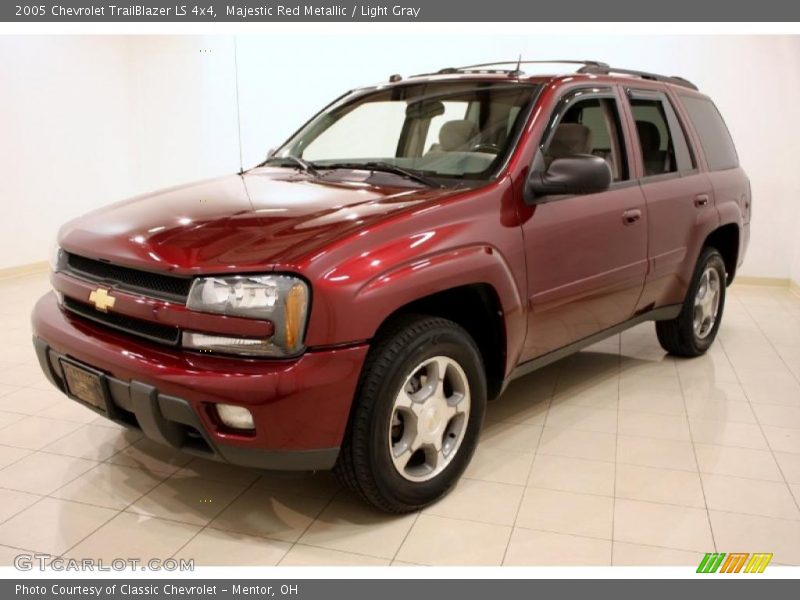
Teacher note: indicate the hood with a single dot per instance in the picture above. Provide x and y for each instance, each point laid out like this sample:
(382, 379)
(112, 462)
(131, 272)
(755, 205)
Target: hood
(248, 221)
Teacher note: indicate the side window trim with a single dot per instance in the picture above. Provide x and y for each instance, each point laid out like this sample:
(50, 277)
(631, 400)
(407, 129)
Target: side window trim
(673, 118)
(566, 101)
(689, 133)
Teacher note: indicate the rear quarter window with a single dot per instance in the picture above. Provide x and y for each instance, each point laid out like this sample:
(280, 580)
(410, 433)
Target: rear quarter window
(714, 135)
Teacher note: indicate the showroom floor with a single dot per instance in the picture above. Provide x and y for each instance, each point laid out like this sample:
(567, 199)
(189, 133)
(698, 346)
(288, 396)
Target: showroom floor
(619, 455)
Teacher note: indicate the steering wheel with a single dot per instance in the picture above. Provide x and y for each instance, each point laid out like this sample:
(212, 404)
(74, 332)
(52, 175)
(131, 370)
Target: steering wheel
(486, 147)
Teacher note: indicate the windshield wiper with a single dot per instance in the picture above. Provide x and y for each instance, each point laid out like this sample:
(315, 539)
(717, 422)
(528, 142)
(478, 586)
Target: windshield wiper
(304, 165)
(383, 167)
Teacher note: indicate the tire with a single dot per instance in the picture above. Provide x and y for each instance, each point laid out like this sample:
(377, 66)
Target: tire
(408, 356)
(680, 336)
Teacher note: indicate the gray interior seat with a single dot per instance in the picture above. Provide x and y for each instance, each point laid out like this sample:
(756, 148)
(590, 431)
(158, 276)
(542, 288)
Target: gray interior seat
(655, 160)
(570, 139)
(458, 134)
(452, 153)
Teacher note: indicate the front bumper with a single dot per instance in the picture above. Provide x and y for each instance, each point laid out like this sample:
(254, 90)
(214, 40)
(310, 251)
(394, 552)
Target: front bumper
(300, 407)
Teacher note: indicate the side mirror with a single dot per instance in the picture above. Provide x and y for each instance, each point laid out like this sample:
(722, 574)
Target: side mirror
(271, 152)
(577, 174)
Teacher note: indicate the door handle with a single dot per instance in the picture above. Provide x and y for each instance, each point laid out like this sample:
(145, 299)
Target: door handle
(701, 200)
(629, 217)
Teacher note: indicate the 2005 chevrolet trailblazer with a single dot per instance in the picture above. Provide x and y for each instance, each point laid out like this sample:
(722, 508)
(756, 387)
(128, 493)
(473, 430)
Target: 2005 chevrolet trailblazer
(353, 302)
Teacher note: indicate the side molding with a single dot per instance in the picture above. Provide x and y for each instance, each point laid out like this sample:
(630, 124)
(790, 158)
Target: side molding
(659, 314)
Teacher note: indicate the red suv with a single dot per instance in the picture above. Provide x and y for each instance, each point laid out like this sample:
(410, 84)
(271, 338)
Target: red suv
(354, 301)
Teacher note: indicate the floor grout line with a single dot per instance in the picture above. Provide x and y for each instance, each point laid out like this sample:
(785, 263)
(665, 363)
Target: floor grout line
(223, 509)
(616, 451)
(405, 537)
(697, 462)
(117, 512)
(50, 496)
(311, 523)
(553, 390)
(769, 445)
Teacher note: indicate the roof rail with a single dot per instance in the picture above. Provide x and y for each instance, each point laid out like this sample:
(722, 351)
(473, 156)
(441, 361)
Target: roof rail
(607, 70)
(592, 67)
(486, 67)
(585, 63)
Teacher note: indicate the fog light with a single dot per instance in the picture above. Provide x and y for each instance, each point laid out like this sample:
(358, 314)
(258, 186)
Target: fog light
(235, 417)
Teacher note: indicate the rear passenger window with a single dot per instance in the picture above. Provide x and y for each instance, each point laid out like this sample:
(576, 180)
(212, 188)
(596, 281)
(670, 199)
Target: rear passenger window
(714, 135)
(662, 142)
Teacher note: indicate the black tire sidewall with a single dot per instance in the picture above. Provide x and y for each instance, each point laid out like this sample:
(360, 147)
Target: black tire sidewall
(453, 343)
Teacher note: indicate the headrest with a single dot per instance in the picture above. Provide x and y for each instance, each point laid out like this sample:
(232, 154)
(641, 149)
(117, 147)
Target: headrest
(457, 134)
(649, 136)
(570, 139)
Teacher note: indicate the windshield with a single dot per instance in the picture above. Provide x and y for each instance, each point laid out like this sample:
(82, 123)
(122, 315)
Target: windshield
(459, 129)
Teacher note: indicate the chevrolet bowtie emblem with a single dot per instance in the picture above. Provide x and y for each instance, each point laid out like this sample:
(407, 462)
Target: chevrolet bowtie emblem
(102, 300)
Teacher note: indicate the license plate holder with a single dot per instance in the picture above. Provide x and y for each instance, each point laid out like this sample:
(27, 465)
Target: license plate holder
(85, 385)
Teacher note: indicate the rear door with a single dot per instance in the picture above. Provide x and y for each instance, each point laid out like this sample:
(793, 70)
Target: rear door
(679, 196)
(586, 254)
(731, 186)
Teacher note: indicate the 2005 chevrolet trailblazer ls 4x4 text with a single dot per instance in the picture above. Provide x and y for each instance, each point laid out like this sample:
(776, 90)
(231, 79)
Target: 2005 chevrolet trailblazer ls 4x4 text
(354, 301)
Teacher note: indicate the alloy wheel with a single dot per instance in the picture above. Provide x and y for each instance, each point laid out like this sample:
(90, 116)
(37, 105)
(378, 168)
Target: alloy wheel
(706, 303)
(429, 419)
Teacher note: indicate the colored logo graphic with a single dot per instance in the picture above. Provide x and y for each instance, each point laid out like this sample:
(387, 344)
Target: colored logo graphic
(736, 562)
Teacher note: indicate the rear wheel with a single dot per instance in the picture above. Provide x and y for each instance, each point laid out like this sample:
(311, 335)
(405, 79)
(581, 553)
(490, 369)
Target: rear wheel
(417, 416)
(693, 331)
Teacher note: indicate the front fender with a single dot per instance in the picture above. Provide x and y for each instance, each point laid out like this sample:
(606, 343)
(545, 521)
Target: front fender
(349, 313)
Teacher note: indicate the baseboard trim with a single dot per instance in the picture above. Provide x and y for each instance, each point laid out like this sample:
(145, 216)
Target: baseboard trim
(794, 287)
(768, 281)
(23, 270)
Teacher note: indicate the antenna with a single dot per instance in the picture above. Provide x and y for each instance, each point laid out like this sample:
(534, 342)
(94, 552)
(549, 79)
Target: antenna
(238, 105)
(518, 71)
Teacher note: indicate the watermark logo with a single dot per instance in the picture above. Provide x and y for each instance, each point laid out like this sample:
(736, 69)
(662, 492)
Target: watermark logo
(42, 562)
(735, 562)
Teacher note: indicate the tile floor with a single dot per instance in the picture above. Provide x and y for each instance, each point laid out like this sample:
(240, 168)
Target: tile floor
(619, 455)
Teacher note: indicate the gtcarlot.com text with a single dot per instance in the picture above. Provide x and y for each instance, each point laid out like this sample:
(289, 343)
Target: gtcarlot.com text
(31, 562)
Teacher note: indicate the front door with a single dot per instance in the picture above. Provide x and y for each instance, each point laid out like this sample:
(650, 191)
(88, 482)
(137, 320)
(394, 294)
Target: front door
(586, 254)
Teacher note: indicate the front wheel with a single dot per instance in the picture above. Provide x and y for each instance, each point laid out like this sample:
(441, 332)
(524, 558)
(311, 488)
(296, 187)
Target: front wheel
(417, 415)
(693, 331)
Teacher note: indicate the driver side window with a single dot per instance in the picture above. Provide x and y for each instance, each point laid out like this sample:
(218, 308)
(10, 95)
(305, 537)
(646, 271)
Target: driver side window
(590, 126)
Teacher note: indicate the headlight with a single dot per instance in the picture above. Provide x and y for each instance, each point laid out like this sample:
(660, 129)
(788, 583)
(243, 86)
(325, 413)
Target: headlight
(281, 299)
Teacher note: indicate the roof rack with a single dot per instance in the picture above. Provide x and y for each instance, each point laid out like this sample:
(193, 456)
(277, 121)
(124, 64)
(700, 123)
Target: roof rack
(485, 67)
(592, 67)
(607, 70)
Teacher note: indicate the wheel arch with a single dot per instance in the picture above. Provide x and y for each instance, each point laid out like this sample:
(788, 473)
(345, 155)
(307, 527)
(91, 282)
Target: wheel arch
(726, 239)
(476, 308)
